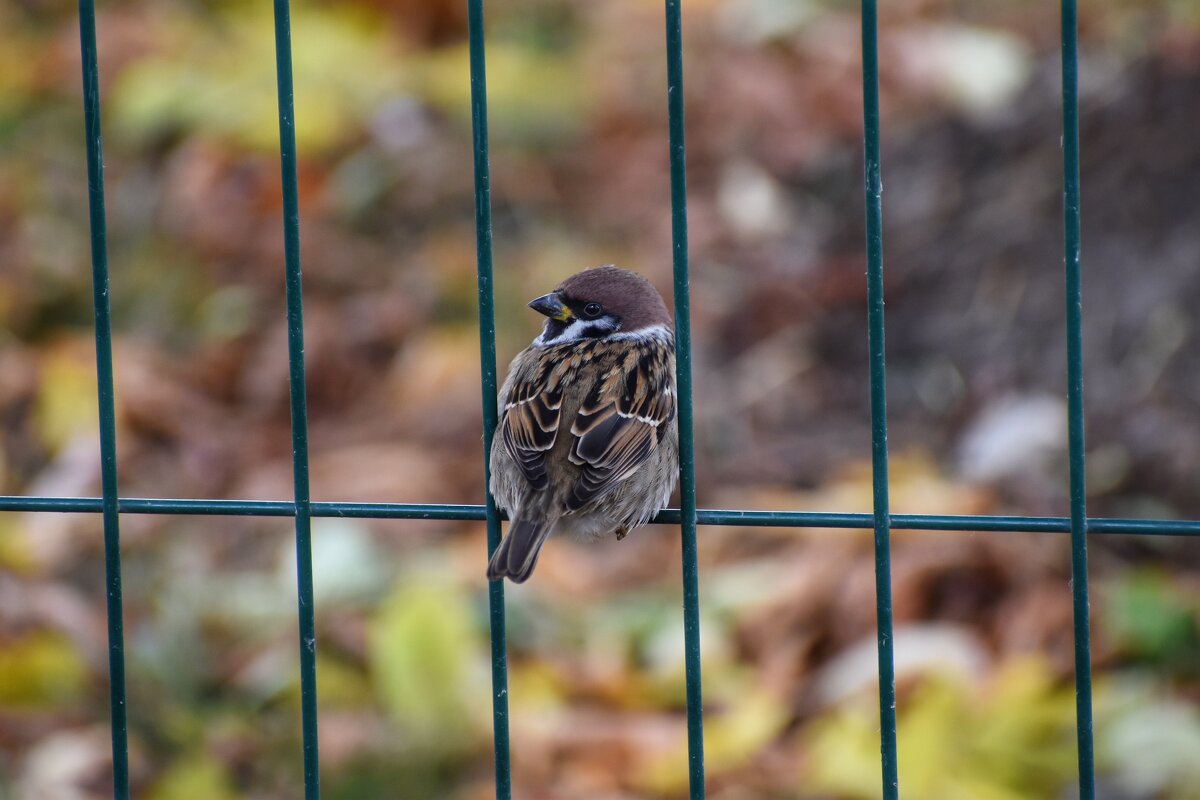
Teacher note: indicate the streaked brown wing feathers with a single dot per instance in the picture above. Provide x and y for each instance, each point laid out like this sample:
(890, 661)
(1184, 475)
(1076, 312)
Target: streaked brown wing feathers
(620, 423)
(530, 426)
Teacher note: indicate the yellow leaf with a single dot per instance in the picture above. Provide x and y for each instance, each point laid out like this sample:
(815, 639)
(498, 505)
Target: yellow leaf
(731, 741)
(340, 685)
(194, 777)
(15, 553)
(41, 670)
(66, 398)
(217, 77)
(532, 95)
(1009, 739)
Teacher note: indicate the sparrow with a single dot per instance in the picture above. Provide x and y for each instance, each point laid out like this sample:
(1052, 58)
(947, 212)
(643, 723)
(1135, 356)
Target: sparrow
(587, 442)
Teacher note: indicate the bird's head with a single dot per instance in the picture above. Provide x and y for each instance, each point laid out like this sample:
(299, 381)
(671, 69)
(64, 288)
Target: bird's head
(599, 303)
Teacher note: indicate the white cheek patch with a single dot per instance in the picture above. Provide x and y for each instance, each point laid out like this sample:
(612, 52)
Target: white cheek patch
(658, 333)
(604, 329)
(577, 330)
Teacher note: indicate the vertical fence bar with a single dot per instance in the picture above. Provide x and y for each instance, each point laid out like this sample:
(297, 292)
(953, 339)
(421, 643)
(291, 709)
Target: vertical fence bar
(879, 448)
(487, 370)
(683, 371)
(1074, 297)
(106, 398)
(295, 326)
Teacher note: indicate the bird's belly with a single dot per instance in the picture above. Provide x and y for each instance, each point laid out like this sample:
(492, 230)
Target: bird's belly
(587, 526)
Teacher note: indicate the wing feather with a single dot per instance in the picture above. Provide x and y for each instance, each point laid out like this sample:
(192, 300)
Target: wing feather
(619, 425)
(529, 426)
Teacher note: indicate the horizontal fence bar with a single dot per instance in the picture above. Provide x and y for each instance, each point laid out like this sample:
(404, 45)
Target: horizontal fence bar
(705, 516)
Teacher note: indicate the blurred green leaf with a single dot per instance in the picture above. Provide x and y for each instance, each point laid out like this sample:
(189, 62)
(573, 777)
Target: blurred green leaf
(1153, 619)
(424, 661)
(400, 777)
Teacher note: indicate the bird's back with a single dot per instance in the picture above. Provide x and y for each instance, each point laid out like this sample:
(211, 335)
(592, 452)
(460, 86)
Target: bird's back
(557, 369)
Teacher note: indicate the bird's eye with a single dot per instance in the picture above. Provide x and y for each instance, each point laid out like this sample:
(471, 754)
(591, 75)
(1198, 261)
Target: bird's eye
(592, 310)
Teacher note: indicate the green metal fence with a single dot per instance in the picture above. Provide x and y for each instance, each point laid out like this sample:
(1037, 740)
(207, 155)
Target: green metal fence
(302, 509)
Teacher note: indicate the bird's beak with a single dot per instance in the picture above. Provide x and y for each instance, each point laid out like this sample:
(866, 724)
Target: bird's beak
(552, 306)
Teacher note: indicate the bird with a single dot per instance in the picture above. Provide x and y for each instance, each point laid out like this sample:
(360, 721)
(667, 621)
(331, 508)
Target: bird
(587, 441)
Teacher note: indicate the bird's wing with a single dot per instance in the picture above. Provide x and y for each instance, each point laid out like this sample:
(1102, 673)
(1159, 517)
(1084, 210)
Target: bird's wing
(529, 423)
(621, 421)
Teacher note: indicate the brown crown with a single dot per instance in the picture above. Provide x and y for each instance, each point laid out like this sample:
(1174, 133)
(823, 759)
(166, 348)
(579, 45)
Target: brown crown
(625, 294)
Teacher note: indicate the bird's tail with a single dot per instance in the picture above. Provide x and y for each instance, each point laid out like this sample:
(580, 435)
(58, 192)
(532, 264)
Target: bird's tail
(517, 555)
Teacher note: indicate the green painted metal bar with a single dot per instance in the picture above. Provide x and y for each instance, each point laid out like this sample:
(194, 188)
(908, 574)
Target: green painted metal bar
(683, 375)
(934, 523)
(487, 373)
(295, 327)
(110, 506)
(106, 399)
(1074, 302)
(879, 449)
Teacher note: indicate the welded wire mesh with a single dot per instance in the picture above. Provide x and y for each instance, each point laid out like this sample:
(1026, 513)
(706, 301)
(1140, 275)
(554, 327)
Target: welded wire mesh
(111, 506)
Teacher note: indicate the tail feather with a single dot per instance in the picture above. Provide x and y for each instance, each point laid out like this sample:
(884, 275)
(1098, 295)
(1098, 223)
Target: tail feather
(517, 554)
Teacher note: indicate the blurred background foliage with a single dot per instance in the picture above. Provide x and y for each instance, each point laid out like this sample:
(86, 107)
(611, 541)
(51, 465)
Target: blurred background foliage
(973, 251)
